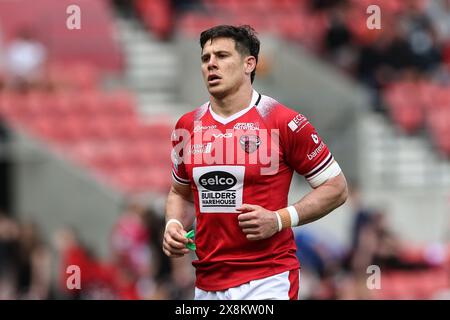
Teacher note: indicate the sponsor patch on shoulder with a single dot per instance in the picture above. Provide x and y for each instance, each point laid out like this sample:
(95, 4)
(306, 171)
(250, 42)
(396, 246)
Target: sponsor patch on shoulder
(297, 123)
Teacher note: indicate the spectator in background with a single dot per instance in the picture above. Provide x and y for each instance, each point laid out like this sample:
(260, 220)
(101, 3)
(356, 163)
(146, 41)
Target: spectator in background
(421, 37)
(9, 235)
(438, 12)
(34, 264)
(339, 40)
(25, 58)
(24, 262)
(135, 252)
(130, 240)
(2, 63)
(181, 6)
(98, 280)
(321, 257)
(375, 243)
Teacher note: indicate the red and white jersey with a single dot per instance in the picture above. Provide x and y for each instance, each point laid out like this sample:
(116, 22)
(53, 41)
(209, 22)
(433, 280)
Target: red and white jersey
(249, 158)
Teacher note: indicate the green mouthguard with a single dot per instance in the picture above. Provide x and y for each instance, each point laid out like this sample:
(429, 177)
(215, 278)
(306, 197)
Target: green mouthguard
(190, 235)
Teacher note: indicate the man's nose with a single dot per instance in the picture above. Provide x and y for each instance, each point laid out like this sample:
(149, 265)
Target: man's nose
(212, 63)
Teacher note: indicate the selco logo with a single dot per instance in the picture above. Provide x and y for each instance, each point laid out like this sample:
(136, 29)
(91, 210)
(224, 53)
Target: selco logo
(217, 181)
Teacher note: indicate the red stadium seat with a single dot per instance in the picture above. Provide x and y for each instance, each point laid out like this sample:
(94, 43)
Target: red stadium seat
(406, 111)
(66, 45)
(157, 16)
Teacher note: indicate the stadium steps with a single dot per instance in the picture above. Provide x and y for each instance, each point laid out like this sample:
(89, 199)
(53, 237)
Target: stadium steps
(151, 68)
(391, 158)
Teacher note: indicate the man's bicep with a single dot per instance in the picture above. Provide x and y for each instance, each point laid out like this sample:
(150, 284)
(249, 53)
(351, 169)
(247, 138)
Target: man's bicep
(308, 154)
(183, 190)
(337, 181)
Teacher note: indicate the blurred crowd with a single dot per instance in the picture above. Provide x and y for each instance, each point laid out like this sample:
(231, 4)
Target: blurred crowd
(136, 268)
(412, 43)
(334, 270)
(22, 62)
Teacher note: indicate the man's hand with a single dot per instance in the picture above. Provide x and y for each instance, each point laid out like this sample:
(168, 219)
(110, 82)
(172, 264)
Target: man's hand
(174, 244)
(256, 222)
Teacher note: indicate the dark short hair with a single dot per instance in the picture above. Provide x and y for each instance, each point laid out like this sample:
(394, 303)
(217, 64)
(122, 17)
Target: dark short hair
(244, 37)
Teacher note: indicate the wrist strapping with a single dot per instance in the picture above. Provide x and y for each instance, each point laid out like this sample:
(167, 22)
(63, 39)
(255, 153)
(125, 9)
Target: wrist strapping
(288, 217)
(173, 221)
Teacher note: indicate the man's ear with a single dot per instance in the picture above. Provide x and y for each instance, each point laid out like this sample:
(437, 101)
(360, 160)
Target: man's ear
(250, 64)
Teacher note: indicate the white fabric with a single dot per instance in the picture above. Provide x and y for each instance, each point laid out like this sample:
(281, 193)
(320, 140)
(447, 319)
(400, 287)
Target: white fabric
(280, 224)
(332, 171)
(24, 57)
(294, 216)
(173, 221)
(275, 287)
(223, 120)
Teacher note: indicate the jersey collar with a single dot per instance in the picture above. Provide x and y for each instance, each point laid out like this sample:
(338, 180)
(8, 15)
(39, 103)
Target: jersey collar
(255, 99)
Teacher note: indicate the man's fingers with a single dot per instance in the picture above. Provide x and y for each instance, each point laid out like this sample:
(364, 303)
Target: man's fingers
(247, 207)
(174, 251)
(253, 237)
(178, 235)
(248, 224)
(246, 216)
(172, 255)
(250, 230)
(175, 244)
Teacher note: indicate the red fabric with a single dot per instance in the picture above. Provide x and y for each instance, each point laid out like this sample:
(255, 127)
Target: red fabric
(226, 258)
(294, 281)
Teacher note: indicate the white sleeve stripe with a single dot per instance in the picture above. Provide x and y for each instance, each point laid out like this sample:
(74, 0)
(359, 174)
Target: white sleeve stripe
(324, 167)
(319, 165)
(320, 169)
(330, 172)
(178, 179)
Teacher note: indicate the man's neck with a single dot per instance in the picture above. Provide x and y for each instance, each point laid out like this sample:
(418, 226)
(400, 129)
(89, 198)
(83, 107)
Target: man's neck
(232, 103)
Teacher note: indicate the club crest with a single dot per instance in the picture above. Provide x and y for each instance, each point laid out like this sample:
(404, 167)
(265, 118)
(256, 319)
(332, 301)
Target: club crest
(249, 143)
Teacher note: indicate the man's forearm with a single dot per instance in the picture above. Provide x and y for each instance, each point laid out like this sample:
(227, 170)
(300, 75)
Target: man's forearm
(321, 201)
(180, 208)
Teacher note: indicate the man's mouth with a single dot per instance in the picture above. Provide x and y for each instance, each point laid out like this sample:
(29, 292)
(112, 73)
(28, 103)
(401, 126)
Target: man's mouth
(213, 79)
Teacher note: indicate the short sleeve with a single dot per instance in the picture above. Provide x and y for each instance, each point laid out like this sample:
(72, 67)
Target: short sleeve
(179, 137)
(306, 152)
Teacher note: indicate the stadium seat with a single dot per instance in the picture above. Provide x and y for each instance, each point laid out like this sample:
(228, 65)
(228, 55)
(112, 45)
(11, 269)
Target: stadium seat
(66, 45)
(157, 16)
(406, 111)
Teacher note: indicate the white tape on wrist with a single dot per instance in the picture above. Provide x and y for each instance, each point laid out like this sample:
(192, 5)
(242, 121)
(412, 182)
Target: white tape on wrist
(288, 217)
(294, 216)
(280, 226)
(173, 221)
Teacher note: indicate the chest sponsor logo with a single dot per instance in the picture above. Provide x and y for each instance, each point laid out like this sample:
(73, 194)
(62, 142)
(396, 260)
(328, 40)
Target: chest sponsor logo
(200, 128)
(220, 188)
(200, 148)
(246, 126)
(222, 135)
(230, 147)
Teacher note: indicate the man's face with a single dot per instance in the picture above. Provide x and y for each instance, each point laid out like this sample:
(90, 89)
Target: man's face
(224, 69)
